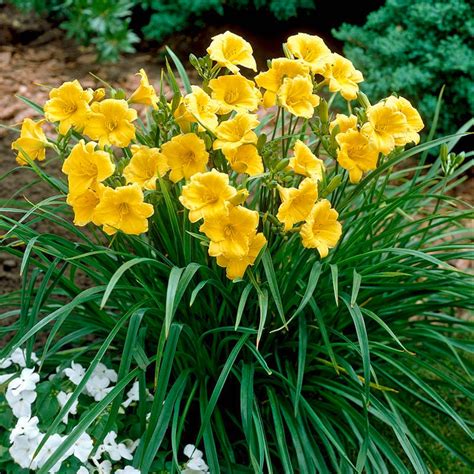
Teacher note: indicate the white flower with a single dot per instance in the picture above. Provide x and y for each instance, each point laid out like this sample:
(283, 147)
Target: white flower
(25, 427)
(63, 398)
(82, 447)
(115, 450)
(21, 404)
(18, 357)
(196, 462)
(5, 363)
(98, 387)
(132, 395)
(26, 381)
(22, 450)
(76, 373)
(82, 470)
(127, 470)
(101, 370)
(49, 448)
(104, 467)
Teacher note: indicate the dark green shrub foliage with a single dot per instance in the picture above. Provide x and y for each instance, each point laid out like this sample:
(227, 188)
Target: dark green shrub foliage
(415, 47)
(106, 23)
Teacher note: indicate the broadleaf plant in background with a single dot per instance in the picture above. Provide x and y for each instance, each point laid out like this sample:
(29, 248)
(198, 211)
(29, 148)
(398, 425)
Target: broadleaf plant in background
(276, 286)
(415, 48)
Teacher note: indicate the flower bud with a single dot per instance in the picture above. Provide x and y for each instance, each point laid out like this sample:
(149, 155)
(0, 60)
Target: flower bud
(323, 111)
(240, 197)
(363, 100)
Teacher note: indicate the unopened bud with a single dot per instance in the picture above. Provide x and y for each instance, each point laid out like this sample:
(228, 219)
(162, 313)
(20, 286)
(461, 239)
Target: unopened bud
(333, 184)
(363, 100)
(282, 165)
(119, 94)
(98, 94)
(323, 111)
(240, 197)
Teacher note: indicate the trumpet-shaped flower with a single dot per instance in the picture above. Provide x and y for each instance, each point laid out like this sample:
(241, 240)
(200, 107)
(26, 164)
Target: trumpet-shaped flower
(32, 142)
(145, 166)
(272, 79)
(230, 232)
(356, 154)
(304, 162)
(245, 159)
(321, 230)
(296, 96)
(186, 155)
(201, 108)
(235, 92)
(386, 123)
(145, 93)
(296, 203)
(68, 105)
(345, 123)
(413, 118)
(236, 267)
(183, 117)
(235, 132)
(343, 77)
(310, 49)
(230, 50)
(84, 204)
(111, 123)
(206, 194)
(85, 167)
(123, 209)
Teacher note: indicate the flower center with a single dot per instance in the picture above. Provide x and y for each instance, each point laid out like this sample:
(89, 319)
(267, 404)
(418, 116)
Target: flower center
(228, 230)
(111, 125)
(231, 96)
(70, 107)
(189, 157)
(123, 208)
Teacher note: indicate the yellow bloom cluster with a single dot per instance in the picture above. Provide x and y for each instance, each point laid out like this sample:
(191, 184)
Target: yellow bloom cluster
(243, 176)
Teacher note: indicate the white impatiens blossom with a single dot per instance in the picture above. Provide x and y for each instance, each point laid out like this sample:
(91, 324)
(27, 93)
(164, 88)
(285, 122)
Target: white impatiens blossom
(104, 467)
(115, 450)
(132, 395)
(18, 357)
(48, 449)
(5, 377)
(63, 398)
(26, 381)
(102, 371)
(196, 464)
(27, 427)
(75, 373)
(82, 470)
(21, 404)
(82, 447)
(127, 470)
(98, 387)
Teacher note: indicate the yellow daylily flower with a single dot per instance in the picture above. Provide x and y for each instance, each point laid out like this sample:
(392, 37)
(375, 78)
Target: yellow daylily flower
(230, 232)
(343, 77)
(68, 105)
(310, 49)
(296, 95)
(296, 203)
(123, 209)
(32, 142)
(206, 194)
(413, 118)
(145, 93)
(345, 123)
(235, 92)
(305, 162)
(186, 155)
(357, 154)
(183, 117)
(111, 123)
(84, 204)
(245, 159)
(272, 79)
(85, 167)
(321, 230)
(236, 267)
(385, 124)
(145, 165)
(235, 132)
(230, 50)
(201, 108)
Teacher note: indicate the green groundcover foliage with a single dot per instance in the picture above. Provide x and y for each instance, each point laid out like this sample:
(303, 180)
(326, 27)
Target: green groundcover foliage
(416, 47)
(107, 23)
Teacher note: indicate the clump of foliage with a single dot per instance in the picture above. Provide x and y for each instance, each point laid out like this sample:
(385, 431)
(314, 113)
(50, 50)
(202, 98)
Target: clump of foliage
(313, 351)
(416, 48)
(106, 23)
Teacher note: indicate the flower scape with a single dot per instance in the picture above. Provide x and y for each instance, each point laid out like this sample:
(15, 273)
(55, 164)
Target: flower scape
(213, 146)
